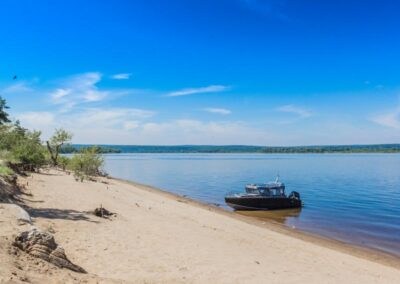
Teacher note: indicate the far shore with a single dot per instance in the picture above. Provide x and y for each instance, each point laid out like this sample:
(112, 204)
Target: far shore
(160, 237)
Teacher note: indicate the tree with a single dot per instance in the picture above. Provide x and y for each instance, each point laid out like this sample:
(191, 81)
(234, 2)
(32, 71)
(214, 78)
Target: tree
(29, 151)
(59, 138)
(21, 149)
(3, 114)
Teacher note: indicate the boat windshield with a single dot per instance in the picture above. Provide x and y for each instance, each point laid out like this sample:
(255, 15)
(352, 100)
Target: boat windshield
(266, 189)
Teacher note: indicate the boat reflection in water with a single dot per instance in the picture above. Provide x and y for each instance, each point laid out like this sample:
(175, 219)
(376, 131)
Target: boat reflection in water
(283, 216)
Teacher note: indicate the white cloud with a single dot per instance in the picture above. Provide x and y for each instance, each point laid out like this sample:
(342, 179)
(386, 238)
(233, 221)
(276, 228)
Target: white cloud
(390, 119)
(192, 91)
(131, 124)
(111, 117)
(91, 120)
(78, 89)
(17, 88)
(36, 120)
(121, 76)
(187, 131)
(218, 110)
(58, 94)
(295, 110)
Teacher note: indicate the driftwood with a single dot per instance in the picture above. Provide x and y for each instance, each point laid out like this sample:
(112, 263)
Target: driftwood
(43, 246)
(102, 212)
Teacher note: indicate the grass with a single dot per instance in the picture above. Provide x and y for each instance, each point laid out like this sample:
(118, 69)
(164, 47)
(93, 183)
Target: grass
(4, 170)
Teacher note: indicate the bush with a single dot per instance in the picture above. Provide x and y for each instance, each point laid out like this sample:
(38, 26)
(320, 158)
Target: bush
(21, 149)
(86, 164)
(64, 162)
(5, 171)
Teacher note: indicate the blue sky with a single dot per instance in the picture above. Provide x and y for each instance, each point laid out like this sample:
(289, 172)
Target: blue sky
(204, 72)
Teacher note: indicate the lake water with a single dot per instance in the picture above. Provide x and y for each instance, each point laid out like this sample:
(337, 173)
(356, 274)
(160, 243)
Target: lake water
(350, 197)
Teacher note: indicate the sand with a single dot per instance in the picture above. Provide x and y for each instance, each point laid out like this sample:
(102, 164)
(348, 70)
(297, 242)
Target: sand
(158, 237)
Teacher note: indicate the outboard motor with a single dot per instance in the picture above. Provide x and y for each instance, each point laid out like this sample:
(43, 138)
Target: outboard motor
(294, 195)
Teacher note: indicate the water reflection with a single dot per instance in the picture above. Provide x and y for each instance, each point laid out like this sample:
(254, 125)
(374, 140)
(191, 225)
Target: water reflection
(281, 216)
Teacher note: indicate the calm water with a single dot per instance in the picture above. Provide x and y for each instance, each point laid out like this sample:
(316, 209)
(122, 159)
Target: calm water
(349, 197)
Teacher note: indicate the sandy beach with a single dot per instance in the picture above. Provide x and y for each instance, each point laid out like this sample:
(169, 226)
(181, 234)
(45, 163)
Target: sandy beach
(157, 237)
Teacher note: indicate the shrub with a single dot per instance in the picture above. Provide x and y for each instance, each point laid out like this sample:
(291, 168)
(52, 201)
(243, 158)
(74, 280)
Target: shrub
(5, 171)
(86, 164)
(21, 149)
(63, 162)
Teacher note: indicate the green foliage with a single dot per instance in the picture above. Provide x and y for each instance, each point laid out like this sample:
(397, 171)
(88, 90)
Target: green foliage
(20, 148)
(54, 145)
(5, 171)
(3, 114)
(86, 164)
(64, 162)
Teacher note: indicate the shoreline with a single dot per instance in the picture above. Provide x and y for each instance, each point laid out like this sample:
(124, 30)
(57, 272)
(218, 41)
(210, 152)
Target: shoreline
(368, 253)
(160, 237)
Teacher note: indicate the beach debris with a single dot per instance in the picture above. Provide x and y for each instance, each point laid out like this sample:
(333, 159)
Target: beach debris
(182, 201)
(102, 212)
(42, 245)
(137, 204)
(214, 204)
(257, 262)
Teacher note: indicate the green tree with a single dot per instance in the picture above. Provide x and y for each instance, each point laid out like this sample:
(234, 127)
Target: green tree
(59, 138)
(3, 114)
(29, 151)
(20, 148)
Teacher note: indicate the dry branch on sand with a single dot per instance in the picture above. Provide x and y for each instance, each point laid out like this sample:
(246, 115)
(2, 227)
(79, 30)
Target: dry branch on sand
(102, 212)
(42, 245)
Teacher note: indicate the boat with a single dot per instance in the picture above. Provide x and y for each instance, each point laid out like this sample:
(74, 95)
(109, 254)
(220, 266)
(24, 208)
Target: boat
(265, 196)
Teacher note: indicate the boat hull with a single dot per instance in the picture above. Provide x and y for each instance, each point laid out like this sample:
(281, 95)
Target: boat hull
(262, 203)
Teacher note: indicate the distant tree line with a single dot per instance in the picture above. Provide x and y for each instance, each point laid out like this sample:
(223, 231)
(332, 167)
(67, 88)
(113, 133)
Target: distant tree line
(382, 148)
(70, 149)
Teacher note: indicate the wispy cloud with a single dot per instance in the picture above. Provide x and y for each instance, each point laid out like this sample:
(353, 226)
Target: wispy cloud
(138, 126)
(17, 88)
(192, 91)
(295, 110)
(99, 119)
(78, 89)
(37, 119)
(223, 111)
(390, 119)
(121, 76)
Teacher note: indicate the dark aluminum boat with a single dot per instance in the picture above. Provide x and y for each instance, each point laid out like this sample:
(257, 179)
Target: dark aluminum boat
(267, 196)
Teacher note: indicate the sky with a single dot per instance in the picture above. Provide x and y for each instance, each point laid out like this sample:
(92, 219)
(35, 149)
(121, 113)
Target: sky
(255, 72)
